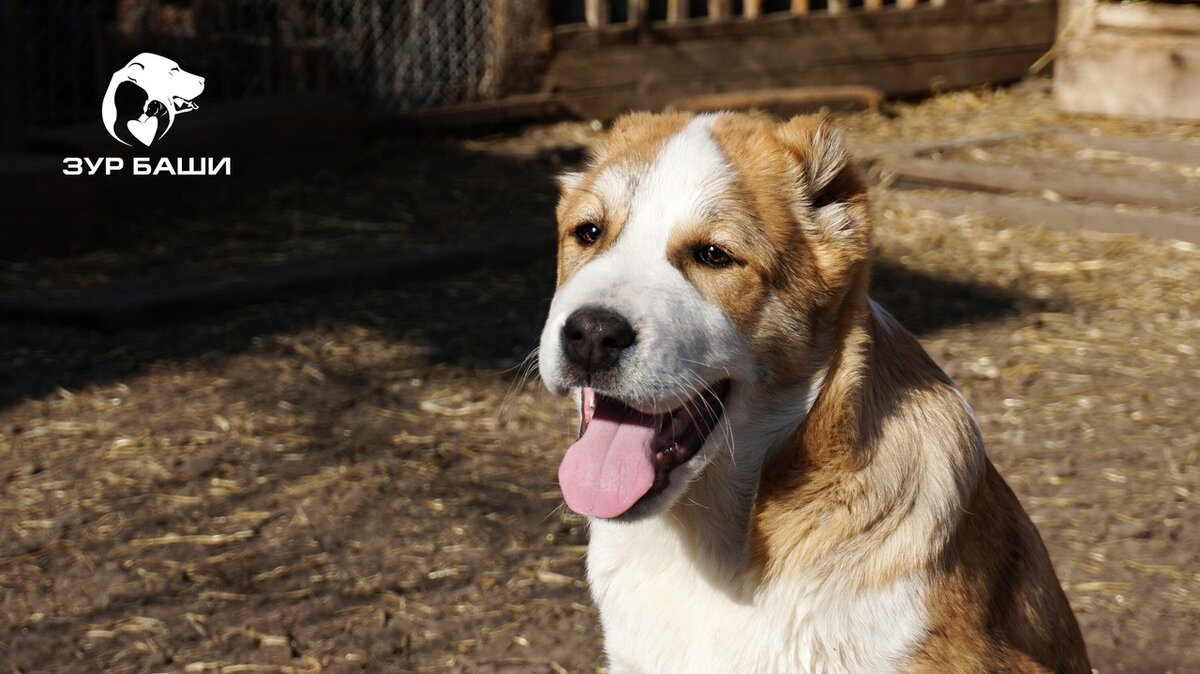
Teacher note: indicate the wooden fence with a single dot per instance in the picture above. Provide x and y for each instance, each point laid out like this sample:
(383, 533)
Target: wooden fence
(638, 54)
(638, 12)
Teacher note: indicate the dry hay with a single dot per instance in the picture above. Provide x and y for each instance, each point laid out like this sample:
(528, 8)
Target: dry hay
(366, 482)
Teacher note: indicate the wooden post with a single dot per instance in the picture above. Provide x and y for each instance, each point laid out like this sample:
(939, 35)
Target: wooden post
(799, 6)
(839, 6)
(752, 9)
(639, 13)
(906, 4)
(719, 9)
(596, 12)
(677, 10)
(522, 41)
(873, 5)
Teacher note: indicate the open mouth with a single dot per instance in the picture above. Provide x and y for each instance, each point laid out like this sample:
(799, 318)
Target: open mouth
(182, 104)
(624, 457)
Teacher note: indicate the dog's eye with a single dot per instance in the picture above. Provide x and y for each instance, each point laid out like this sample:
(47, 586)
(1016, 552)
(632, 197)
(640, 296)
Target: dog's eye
(587, 233)
(712, 256)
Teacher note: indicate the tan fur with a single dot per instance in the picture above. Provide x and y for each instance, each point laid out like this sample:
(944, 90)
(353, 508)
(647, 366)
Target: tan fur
(885, 477)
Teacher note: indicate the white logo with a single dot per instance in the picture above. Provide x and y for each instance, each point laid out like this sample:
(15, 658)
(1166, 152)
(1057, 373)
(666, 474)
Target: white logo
(144, 97)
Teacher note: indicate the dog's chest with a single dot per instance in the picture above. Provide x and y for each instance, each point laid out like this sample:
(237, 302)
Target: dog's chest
(661, 613)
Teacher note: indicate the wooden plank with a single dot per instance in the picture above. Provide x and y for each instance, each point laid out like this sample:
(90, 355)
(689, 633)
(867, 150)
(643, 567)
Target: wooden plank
(906, 4)
(1068, 184)
(1181, 152)
(166, 301)
(785, 102)
(751, 9)
(975, 20)
(596, 13)
(1148, 17)
(873, 5)
(837, 6)
(799, 6)
(607, 72)
(1061, 216)
(922, 148)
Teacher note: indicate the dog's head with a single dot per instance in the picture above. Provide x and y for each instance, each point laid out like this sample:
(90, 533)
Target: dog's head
(163, 80)
(698, 260)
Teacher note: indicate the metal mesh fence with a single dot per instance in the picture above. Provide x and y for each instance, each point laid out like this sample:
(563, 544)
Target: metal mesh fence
(393, 55)
(397, 54)
(54, 58)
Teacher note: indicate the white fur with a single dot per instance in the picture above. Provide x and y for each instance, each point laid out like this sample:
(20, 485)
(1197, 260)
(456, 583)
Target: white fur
(663, 614)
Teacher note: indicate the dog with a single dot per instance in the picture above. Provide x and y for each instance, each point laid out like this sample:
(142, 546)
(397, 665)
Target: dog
(777, 477)
(144, 97)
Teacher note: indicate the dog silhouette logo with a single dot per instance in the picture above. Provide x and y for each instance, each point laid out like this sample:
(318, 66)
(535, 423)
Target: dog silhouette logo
(144, 97)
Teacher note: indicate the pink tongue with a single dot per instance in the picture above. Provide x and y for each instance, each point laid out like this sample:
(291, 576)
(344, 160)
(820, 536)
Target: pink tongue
(612, 466)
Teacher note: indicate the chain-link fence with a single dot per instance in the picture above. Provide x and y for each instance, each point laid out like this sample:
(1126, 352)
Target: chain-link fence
(393, 55)
(53, 58)
(398, 54)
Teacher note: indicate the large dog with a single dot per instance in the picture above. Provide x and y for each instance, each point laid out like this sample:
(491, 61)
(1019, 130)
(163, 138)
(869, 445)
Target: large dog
(777, 476)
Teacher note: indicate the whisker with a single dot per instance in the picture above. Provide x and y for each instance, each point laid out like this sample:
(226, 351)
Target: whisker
(526, 368)
(723, 418)
(560, 508)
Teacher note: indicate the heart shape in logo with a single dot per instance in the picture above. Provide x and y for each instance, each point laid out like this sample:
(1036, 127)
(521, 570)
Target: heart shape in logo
(144, 131)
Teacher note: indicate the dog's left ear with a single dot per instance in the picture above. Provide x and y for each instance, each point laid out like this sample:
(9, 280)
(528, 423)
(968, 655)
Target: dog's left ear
(833, 198)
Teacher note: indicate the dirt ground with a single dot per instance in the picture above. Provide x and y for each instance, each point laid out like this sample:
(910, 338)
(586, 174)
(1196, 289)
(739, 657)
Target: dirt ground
(366, 481)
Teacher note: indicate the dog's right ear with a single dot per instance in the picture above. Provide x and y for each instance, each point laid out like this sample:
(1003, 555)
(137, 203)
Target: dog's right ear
(130, 71)
(568, 181)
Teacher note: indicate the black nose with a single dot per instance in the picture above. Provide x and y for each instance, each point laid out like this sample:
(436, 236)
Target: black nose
(594, 338)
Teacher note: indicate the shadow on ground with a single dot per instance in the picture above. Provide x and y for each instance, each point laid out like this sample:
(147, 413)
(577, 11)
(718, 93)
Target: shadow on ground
(400, 196)
(41, 357)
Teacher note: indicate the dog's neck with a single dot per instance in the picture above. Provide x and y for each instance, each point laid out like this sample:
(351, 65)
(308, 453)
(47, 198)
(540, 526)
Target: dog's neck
(826, 441)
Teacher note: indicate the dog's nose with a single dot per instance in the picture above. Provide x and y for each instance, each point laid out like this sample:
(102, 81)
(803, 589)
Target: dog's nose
(594, 338)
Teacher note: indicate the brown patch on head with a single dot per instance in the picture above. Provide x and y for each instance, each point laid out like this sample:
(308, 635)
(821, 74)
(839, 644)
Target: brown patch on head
(602, 193)
(796, 224)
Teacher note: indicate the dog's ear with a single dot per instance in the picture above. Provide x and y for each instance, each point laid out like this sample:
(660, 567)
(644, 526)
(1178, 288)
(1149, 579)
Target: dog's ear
(832, 199)
(821, 154)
